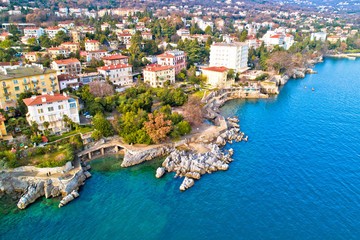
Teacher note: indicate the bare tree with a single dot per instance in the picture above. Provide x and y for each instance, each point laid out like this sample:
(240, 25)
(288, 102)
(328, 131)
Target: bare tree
(192, 111)
(101, 89)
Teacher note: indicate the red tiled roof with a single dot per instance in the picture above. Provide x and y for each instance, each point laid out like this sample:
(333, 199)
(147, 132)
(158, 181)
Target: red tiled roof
(276, 36)
(56, 48)
(48, 98)
(166, 55)
(124, 35)
(2, 118)
(66, 61)
(216, 69)
(70, 43)
(115, 57)
(157, 68)
(53, 28)
(111, 67)
(91, 41)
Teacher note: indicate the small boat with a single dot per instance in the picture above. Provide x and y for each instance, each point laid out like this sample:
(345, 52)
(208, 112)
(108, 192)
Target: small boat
(313, 89)
(305, 87)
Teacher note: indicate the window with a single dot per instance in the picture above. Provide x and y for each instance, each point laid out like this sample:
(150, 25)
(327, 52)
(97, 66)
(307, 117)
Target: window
(72, 105)
(26, 87)
(61, 107)
(25, 80)
(43, 83)
(15, 81)
(17, 88)
(42, 77)
(44, 89)
(50, 109)
(40, 110)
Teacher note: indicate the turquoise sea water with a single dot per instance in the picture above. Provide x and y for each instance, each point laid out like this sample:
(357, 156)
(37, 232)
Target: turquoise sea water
(298, 177)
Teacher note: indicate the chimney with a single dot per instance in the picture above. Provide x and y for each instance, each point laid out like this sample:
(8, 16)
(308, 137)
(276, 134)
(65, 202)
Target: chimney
(65, 94)
(51, 93)
(33, 96)
(43, 99)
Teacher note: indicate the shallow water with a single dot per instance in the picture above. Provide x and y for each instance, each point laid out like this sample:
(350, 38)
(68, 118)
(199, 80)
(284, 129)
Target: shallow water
(298, 177)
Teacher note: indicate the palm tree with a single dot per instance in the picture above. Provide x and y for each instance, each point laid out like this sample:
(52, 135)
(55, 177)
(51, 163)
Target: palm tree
(12, 124)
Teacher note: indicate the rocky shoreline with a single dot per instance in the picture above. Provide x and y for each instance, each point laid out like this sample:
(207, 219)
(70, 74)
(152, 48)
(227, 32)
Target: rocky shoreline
(29, 188)
(189, 164)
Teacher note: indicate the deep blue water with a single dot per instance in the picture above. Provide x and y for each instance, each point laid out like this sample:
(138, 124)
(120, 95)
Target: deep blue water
(298, 177)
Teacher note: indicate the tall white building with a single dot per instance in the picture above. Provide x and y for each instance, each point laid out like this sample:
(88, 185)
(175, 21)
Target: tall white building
(230, 55)
(51, 108)
(33, 32)
(318, 36)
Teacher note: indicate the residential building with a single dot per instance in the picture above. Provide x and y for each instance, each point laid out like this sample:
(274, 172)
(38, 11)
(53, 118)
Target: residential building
(3, 132)
(217, 77)
(157, 75)
(86, 78)
(35, 32)
(115, 60)
(51, 108)
(119, 75)
(183, 31)
(70, 66)
(67, 80)
(18, 79)
(92, 45)
(231, 55)
(58, 51)
(125, 38)
(318, 36)
(97, 55)
(33, 56)
(174, 58)
(4, 36)
(52, 31)
(147, 36)
(72, 47)
(333, 39)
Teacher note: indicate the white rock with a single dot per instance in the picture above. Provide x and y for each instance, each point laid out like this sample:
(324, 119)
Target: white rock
(160, 172)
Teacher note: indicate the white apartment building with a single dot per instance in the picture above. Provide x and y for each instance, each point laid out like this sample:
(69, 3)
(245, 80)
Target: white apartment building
(176, 58)
(230, 55)
(51, 108)
(119, 75)
(35, 32)
(157, 75)
(52, 31)
(318, 36)
(272, 38)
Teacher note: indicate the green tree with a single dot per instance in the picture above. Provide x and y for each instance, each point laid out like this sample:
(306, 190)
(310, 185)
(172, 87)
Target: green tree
(61, 37)
(103, 125)
(96, 135)
(184, 127)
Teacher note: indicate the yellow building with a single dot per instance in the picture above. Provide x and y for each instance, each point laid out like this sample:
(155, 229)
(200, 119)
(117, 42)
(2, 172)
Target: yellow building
(217, 77)
(157, 75)
(3, 132)
(33, 56)
(73, 47)
(18, 79)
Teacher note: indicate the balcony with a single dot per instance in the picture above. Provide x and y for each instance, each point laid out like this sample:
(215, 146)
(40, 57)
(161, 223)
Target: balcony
(52, 78)
(54, 84)
(7, 93)
(35, 88)
(25, 83)
(34, 81)
(5, 87)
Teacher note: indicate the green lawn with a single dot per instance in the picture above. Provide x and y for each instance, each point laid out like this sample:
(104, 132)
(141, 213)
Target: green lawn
(82, 130)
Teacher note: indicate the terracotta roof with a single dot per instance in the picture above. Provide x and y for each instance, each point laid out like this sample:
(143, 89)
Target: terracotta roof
(8, 63)
(111, 67)
(91, 41)
(53, 28)
(167, 55)
(157, 68)
(124, 35)
(115, 57)
(56, 48)
(66, 61)
(48, 98)
(70, 43)
(276, 36)
(215, 69)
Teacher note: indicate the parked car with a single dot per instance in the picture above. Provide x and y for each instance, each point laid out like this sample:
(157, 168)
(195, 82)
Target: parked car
(86, 113)
(89, 116)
